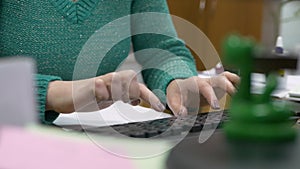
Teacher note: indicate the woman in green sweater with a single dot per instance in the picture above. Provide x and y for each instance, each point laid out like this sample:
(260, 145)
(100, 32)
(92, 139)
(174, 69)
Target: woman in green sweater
(78, 45)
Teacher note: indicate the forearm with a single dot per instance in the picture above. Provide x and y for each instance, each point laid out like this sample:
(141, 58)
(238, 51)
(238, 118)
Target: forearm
(163, 56)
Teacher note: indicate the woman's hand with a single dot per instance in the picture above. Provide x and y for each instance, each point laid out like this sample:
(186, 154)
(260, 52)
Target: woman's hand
(99, 92)
(185, 95)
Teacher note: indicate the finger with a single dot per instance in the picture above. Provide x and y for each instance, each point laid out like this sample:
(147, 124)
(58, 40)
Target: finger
(230, 88)
(133, 91)
(122, 85)
(129, 86)
(207, 91)
(228, 81)
(176, 106)
(221, 82)
(235, 79)
(116, 86)
(101, 91)
(102, 94)
(150, 98)
(113, 83)
(175, 100)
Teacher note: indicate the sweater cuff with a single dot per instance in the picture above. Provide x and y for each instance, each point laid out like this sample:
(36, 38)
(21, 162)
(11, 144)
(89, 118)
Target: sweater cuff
(42, 82)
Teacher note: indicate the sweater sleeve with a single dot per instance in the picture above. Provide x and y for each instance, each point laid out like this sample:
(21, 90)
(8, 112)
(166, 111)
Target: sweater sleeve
(42, 82)
(162, 55)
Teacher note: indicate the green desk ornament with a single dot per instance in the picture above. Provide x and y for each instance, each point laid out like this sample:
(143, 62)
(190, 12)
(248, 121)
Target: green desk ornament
(255, 118)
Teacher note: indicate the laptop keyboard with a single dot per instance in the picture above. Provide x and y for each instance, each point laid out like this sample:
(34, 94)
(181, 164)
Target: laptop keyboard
(171, 126)
(166, 127)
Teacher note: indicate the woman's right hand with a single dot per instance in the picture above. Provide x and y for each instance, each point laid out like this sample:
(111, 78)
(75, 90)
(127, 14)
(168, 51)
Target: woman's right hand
(99, 92)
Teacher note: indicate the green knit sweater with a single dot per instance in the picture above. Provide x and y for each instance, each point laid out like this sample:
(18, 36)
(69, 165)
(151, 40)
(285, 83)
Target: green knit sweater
(77, 39)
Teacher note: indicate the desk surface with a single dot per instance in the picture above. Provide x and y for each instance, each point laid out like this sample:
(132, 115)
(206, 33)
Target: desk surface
(142, 153)
(218, 152)
(43, 147)
(110, 148)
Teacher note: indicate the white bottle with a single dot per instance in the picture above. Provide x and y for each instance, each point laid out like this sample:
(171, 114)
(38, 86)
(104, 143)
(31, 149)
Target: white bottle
(282, 73)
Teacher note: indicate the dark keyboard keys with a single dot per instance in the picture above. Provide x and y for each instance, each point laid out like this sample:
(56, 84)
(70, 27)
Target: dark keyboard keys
(172, 126)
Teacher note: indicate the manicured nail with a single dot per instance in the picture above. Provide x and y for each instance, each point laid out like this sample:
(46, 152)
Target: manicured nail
(215, 104)
(181, 112)
(161, 107)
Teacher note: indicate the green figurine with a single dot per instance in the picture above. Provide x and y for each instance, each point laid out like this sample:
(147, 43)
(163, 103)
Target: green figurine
(254, 117)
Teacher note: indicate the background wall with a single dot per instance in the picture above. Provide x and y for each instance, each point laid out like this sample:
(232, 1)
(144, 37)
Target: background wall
(270, 28)
(290, 24)
(257, 18)
(218, 18)
(281, 17)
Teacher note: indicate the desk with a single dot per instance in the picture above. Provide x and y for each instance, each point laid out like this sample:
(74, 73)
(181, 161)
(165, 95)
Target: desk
(219, 153)
(156, 155)
(151, 156)
(42, 147)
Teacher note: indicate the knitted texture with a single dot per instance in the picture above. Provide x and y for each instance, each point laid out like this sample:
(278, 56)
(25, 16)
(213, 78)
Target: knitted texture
(59, 35)
(42, 82)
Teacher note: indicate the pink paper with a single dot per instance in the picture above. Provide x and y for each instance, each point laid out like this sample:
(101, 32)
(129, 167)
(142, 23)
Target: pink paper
(20, 149)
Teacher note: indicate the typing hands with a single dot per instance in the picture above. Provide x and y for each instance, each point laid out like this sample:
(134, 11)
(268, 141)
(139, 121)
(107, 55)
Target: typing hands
(184, 95)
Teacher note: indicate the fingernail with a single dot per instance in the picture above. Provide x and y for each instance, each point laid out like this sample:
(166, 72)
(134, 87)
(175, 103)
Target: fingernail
(161, 107)
(215, 104)
(135, 102)
(181, 112)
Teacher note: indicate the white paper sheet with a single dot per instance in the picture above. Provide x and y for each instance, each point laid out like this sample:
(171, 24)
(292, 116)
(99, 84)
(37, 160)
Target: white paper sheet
(118, 113)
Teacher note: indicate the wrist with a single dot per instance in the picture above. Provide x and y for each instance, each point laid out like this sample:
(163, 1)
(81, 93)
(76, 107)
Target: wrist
(51, 94)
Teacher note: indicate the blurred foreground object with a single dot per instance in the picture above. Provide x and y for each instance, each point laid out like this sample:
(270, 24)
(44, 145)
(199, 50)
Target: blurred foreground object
(17, 100)
(257, 118)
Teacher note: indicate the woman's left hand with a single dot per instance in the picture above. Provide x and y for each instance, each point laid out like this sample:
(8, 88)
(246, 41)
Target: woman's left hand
(186, 95)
